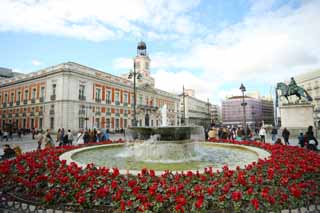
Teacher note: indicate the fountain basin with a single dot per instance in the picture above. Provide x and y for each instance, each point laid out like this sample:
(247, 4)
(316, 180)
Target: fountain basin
(213, 155)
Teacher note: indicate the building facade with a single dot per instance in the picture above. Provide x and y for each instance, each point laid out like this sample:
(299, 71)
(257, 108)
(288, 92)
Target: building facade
(73, 96)
(216, 114)
(194, 112)
(258, 111)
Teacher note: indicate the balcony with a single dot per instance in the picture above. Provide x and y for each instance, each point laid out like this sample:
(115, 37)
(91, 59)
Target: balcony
(11, 104)
(82, 97)
(51, 112)
(118, 114)
(147, 107)
(53, 97)
(25, 102)
(3, 116)
(98, 113)
(108, 101)
(125, 114)
(41, 113)
(117, 102)
(17, 103)
(10, 115)
(33, 100)
(82, 112)
(98, 100)
(41, 99)
(24, 114)
(31, 113)
(17, 114)
(125, 104)
(108, 113)
(4, 105)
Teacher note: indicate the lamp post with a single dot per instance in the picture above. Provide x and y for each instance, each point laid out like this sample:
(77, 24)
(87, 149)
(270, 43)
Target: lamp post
(243, 104)
(135, 75)
(86, 118)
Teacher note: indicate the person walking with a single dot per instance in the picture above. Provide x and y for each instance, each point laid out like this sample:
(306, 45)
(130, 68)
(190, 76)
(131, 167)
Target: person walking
(262, 134)
(301, 139)
(70, 137)
(312, 142)
(5, 135)
(40, 137)
(286, 135)
(274, 133)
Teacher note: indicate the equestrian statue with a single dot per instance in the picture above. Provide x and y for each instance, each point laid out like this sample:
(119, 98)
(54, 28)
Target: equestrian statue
(291, 89)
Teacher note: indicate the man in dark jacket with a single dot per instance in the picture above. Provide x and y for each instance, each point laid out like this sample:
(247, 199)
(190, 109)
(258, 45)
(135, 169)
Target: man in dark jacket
(286, 135)
(7, 152)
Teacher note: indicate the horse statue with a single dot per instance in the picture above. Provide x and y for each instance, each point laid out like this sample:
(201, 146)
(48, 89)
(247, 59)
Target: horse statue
(287, 91)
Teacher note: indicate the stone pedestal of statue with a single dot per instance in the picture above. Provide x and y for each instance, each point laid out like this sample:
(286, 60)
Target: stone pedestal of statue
(296, 117)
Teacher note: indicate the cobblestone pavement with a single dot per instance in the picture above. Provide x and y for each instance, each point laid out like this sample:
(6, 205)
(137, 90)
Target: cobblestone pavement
(29, 144)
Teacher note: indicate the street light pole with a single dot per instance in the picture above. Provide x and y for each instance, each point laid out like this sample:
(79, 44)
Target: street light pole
(135, 75)
(243, 104)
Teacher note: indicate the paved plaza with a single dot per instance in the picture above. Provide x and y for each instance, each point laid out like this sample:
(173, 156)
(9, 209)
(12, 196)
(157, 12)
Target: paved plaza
(29, 144)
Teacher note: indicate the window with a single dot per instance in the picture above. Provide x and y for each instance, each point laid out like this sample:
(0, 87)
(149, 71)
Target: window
(26, 94)
(12, 97)
(52, 123)
(32, 123)
(147, 65)
(108, 123)
(6, 98)
(19, 96)
(81, 90)
(108, 96)
(98, 94)
(24, 123)
(125, 124)
(33, 95)
(40, 123)
(151, 122)
(42, 91)
(98, 122)
(54, 86)
(137, 65)
(117, 123)
(116, 97)
(81, 123)
(125, 98)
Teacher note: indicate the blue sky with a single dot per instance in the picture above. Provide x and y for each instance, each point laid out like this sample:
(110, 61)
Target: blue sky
(207, 45)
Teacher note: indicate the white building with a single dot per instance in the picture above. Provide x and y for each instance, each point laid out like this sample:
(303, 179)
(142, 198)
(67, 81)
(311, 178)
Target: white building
(73, 96)
(194, 111)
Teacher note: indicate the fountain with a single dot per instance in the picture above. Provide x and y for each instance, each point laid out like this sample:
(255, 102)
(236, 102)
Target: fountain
(165, 148)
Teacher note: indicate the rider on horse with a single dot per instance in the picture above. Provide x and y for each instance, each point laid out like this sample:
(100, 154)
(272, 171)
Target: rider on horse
(292, 87)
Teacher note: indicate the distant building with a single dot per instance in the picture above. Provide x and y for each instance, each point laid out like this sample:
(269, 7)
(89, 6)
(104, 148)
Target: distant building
(73, 96)
(5, 73)
(259, 111)
(194, 111)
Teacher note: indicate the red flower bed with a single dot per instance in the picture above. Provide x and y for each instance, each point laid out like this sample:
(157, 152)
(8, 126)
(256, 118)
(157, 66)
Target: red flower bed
(290, 177)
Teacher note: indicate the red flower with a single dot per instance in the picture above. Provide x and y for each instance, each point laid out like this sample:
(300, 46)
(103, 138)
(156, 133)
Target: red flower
(199, 202)
(255, 203)
(295, 191)
(236, 196)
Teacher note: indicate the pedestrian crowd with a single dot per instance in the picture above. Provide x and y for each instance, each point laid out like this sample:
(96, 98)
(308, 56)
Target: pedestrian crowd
(306, 140)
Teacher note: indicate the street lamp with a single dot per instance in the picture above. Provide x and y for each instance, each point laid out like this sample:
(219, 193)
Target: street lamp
(243, 104)
(135, 75)
(86, 118)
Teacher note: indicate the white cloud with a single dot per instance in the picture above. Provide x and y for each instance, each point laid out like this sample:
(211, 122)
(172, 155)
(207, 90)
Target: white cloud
(174, 82)
(262, 49)
(97, 20)
(36, 62)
